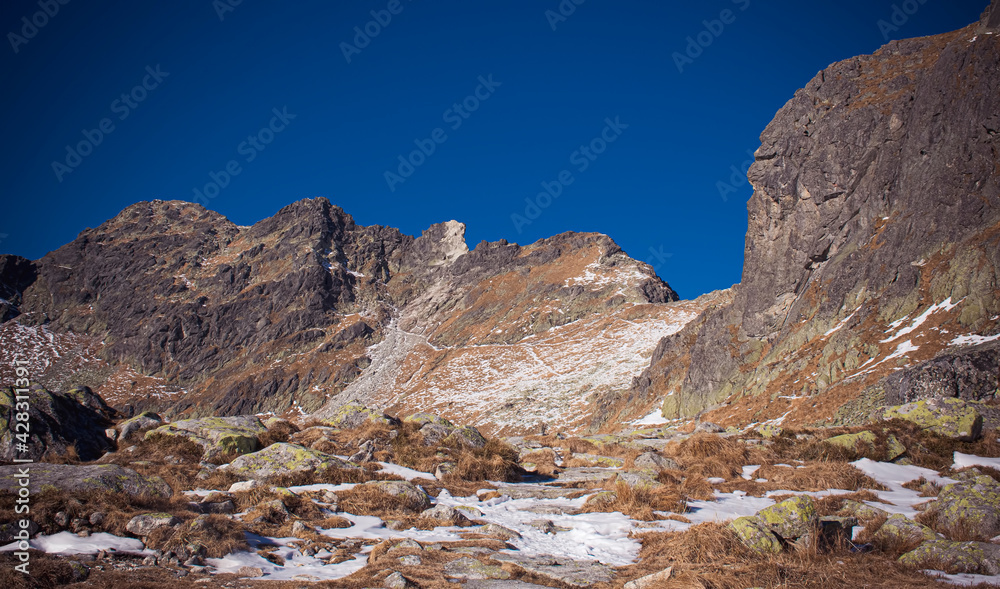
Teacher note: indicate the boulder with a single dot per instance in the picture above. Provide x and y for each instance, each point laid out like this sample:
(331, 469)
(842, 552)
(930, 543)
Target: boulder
(755, 535)
(138, 424)
(470, 568)
(59, 421)
(792, 518)
(636, 480)
(953, 418)
(95, 477)
(955, 557)
(499, 531)
(900, 529)
(438, 434)
(353, 415)
(655, 462)
(769, 430)
(283, 458)
(969, 506)
(861, 510)
(412, 495)
(218, 436)
(448, 514)
(145, 524)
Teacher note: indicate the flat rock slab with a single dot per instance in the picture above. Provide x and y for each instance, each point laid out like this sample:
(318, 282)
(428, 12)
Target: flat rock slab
(502, 585)
(583, 475)
(71, 477)
(575, 573)
(534, 491)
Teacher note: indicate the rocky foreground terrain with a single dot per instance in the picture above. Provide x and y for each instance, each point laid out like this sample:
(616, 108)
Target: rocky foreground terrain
(364, 499)
(310, 401)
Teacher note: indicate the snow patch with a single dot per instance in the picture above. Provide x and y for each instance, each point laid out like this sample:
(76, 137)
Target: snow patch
(946, 305)
(973, 340)
(654, 418)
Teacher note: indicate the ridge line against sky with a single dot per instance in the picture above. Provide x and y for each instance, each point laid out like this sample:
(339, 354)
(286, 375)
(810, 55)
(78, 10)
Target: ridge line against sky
(522, 119)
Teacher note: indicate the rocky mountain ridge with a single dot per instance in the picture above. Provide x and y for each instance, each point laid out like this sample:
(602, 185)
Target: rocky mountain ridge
(172, 307)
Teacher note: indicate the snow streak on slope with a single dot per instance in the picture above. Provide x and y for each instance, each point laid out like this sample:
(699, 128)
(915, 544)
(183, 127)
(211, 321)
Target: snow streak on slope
(548, 378)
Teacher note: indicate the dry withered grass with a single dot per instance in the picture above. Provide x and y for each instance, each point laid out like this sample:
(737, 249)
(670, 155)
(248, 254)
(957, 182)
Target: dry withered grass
(368, 500)
(118, 508)
(710, 556)
(218, 534)
(711, 456)
(278, 433)
(637, 502)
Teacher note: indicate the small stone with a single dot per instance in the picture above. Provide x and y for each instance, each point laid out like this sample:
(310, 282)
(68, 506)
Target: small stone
(61, 519)
(410, 560)
(655, 462)
(707, 427)
(395, 581)
(96, 518)
(143, 525)
(499, 531)
(251, 572)
(651, 581)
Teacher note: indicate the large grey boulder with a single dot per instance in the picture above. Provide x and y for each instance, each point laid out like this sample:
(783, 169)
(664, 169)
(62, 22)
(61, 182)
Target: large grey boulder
(955, 557)
(969, 505)
(69, 477)
(655, 462)
(58, 421)
(792, 518)
(953, 418)
(135, 425)
(218, 436)
(411, 495)
(354, 414)
(145, 524)
(284, 458)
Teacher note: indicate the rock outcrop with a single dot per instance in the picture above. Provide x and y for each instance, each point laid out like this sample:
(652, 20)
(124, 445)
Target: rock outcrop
(57, 422)
(872, 246)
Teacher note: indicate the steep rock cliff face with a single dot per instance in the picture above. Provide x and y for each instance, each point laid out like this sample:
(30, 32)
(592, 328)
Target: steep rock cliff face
(873, 244)
(172, 307)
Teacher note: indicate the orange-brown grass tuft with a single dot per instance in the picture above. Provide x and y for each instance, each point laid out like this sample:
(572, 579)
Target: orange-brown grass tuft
(709, 456)
(369, 500)
(280, 432)
(118, 508)
(637, 502)
(709, 555)
(926, 488)
(218, 534)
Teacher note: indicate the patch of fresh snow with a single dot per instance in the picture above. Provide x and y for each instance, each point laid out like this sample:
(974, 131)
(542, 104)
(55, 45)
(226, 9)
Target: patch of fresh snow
(837, 328)
(654, 418)
(69, 543)
(901, 350)
(967, 460)
(946, 305)
(407, 473)
(973, 340)
(901, 500)
(602, 537)
(749, 470)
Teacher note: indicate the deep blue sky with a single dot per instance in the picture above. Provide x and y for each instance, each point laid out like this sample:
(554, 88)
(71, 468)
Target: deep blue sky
(653, 190)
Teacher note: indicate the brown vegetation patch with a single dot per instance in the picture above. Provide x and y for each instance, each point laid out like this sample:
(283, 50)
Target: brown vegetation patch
(637, 502)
